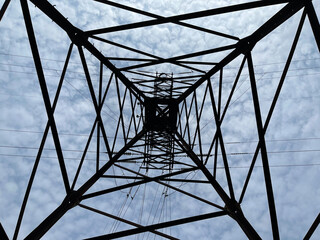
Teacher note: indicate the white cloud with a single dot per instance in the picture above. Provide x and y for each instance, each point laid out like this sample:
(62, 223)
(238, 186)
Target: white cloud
(295, 117)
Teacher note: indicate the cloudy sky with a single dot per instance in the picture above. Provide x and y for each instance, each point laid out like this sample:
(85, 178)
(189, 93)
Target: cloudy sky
(293, 136)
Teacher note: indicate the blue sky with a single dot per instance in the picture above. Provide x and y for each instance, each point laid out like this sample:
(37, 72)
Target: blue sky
(293, 135)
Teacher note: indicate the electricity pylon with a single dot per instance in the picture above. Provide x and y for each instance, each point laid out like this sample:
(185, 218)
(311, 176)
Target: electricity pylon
(160, 116)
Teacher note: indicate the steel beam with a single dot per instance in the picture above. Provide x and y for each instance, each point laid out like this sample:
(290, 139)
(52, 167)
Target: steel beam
(125, 221)
(140, 52)
(148, 14)
(174, 60)
(233, 208)
(136, 183)
(165, 179)
(45, 93)
(263, 151)
(246, 44)
(3, 234)
(175, 188)
(312, 228)
(40, 150)
(96, 122)
(314, 22)
(225, 108)
(188, 16)
(81, 39)
(73, 198)
(159, 225)
(275, 99)
(4, 8)
(220, 138)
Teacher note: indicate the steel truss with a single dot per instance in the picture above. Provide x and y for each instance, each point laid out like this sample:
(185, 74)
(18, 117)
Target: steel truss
(151, 145)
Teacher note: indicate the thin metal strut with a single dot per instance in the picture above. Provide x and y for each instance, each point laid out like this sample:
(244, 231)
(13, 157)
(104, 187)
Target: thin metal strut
(162, 110)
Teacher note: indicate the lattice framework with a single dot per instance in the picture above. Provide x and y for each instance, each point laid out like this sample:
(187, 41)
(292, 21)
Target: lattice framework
(184, 97)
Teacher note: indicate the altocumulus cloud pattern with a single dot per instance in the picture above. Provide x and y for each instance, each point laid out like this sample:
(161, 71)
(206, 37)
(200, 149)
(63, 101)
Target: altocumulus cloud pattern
(159, 119)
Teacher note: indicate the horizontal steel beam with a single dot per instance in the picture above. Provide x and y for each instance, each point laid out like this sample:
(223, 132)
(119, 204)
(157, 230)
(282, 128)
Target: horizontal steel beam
(159, 225)
(136, 183)
(73, 198)
(233, 208)
(131, 9)
(125, 221)
(246, 44)
(188, 16)
(165, 179)
(79, 38)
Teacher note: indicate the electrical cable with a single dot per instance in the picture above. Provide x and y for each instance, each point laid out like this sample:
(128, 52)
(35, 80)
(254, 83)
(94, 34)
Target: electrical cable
(57, 60)
(286, 165)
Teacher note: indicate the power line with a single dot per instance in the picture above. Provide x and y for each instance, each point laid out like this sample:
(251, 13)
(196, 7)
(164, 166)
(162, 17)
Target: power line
(39, 132)
(58, 70)
(57, 60)
(44, 68)
(47, 149)
(231, 142)
(137, 154)
(219, 167)
(179, 155)
(45, 59)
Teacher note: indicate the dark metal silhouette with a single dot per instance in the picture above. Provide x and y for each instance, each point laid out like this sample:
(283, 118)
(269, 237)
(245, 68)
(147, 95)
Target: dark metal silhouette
(160, 112)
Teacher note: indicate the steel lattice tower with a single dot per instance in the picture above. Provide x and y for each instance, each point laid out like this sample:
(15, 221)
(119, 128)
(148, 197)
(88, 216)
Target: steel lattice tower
(159, 122)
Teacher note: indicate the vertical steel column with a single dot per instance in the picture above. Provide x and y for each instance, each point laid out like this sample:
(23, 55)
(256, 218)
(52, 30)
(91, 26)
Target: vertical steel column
(275, 99)
(43, 141)
(73, 198)
(232, 206)
(44, 91)
(263, 149)
(243, 47)
(3, 234)
(4, 8)
(222, 147)
(98, 125)
(314, 22)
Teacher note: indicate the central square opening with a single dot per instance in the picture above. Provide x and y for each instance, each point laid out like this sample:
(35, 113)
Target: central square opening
(161, 114)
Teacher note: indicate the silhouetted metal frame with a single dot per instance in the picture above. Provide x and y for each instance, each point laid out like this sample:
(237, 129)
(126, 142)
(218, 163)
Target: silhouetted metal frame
(263, 150)
(274, 101)
(3, 234)
(4, 8)
(243, 46)
(159, 226)
(312, 228)
(125, 221)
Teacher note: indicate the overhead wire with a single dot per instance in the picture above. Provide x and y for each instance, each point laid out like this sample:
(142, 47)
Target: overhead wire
(116, 226)
(261, 78)
(57, 70)
(124, 210)
(272, 165)
(39, 132)
(66, 80)
(231, 142)
(153, 202)
(156, 211)
(42, 58)
(142, 206)
(57, 60)
(139, 186)
(191, 119)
